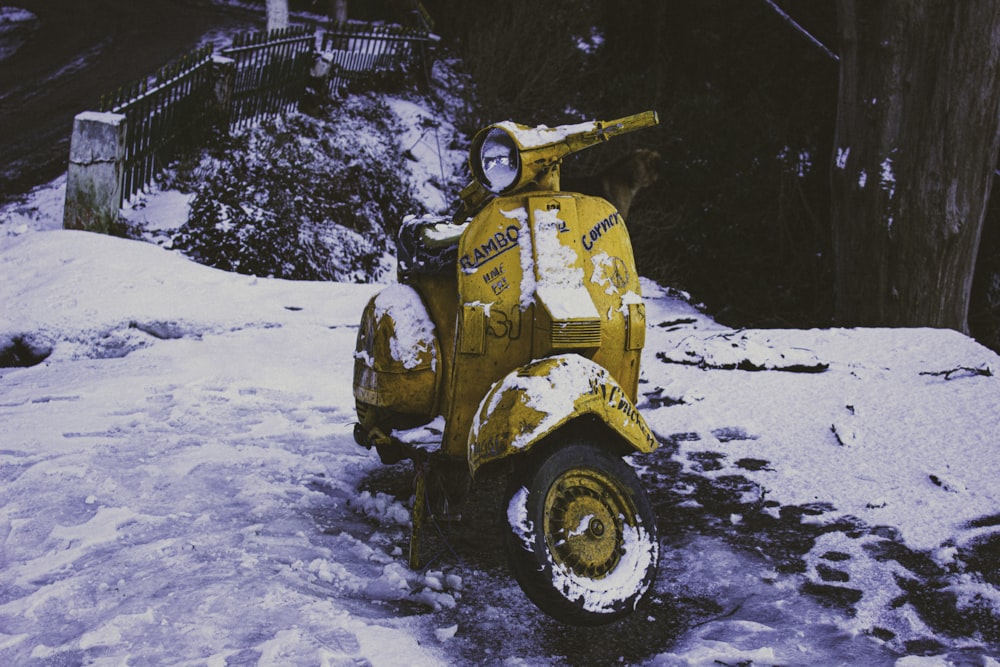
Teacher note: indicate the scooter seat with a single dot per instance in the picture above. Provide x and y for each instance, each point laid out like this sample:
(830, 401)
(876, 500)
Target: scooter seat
(428, 245)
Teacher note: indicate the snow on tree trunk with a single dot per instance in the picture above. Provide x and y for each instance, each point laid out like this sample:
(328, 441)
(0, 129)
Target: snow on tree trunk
(277, 14)
(915, 152)
(338, 11)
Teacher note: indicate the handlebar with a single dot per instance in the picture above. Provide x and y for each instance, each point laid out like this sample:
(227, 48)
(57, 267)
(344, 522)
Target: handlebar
(606, 130)
(530, 157)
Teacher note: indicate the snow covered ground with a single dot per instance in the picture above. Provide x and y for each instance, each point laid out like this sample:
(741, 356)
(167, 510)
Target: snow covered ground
(180, 484)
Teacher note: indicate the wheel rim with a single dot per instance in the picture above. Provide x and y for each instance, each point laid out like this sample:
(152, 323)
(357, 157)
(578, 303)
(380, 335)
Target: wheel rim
(585, 512)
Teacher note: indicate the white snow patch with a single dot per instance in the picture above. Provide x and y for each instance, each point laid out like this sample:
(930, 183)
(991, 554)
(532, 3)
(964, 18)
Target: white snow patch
(426, 140)
(527, 256)
(842, 155)
(534, 137)
(566, 303)
(444, 634)
(556, 263)
(591, 42)
(887, 178)
(554, 394)
(517, 517)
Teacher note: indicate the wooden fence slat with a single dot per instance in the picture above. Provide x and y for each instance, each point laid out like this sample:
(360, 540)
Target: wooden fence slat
(360, 52)
(153, 109)
(271, 72)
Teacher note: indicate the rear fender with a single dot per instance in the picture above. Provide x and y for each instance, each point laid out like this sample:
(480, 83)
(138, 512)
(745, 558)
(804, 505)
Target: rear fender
(539, 398)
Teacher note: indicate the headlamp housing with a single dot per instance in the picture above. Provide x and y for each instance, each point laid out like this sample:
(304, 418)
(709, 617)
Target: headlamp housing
(496, 160)
(507, 156)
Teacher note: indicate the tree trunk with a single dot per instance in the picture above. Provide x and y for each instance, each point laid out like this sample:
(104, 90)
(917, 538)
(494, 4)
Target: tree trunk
(915, 152)
(277, 14)
(338, 11)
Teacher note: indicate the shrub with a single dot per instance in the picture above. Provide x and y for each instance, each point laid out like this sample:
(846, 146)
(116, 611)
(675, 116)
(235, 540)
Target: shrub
(303, 198)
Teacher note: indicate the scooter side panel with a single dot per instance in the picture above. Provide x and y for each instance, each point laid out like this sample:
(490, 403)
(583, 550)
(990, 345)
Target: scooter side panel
(587, 290)
(396, 357)
(493, 321)
(605, 249)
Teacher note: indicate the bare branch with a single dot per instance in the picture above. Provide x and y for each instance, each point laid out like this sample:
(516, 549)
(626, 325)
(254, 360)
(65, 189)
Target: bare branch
(967, 371)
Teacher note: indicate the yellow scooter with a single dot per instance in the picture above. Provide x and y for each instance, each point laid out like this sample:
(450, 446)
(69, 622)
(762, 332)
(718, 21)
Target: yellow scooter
(520, 320)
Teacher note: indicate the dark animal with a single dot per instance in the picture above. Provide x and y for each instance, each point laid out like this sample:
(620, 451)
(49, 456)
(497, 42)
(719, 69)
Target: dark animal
(621, 180)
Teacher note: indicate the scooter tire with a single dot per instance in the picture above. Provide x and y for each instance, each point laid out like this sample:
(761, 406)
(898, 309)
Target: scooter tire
(580, 534)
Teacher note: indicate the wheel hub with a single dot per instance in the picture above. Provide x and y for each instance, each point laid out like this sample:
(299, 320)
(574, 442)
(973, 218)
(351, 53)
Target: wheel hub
(585, 512)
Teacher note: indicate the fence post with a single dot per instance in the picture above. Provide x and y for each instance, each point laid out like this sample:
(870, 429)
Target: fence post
(317, 90)
(223, 84)
(94, 174)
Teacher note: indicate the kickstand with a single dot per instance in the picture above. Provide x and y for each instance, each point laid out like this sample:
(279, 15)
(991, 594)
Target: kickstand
(419, 513)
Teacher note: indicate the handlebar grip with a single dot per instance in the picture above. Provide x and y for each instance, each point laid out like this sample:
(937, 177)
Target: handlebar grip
(636, 121)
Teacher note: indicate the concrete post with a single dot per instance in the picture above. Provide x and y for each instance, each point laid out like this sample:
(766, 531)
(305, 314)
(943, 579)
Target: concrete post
(94, 175)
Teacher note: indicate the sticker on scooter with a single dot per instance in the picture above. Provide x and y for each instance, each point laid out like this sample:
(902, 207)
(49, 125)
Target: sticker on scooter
(598, 230)
(502, 325)
(496, 279)
(619, 401)
(498, 244)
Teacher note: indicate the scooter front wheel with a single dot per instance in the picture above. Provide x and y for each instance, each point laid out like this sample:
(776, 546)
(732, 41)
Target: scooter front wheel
(581, 536)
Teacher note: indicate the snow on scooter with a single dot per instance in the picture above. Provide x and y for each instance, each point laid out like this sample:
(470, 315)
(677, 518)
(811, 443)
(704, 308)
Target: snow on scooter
(520, 321)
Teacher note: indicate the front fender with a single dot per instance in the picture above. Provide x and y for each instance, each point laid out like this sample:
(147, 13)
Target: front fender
(538, 398)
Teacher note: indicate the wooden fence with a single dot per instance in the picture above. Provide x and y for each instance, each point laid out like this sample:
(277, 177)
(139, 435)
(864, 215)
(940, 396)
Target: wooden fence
(271, 70)
(118, 150)
(362, 51)
(162, 116)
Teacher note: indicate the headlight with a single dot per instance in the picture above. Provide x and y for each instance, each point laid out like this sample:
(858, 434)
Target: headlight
(498, 165)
